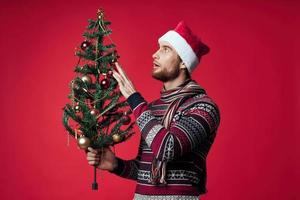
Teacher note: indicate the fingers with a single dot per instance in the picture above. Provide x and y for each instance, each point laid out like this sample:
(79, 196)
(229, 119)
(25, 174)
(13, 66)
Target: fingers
(125, 85)
(121, 79)
(121, 75)
(120, 70)
(93, 157)
(117, 77)
(94, 161)
(92, 150)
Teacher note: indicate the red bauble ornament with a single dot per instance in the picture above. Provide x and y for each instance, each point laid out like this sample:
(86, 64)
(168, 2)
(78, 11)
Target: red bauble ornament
(109, 73)
(77, 108)
(85, 45)
(94, 112)
(104, 83)
(126, 120)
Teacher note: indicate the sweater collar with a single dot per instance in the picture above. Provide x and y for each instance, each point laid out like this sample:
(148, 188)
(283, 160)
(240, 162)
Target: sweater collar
(164, 92)
(188, 88)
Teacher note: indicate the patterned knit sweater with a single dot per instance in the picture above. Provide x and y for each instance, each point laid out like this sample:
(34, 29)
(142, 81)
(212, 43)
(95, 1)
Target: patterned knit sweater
(184, 146)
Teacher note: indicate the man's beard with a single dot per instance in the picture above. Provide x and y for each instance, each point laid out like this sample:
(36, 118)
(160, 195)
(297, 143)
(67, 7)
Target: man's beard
(165, 76)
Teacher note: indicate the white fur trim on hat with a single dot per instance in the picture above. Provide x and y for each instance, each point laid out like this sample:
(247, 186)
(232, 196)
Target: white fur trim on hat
(183, 49)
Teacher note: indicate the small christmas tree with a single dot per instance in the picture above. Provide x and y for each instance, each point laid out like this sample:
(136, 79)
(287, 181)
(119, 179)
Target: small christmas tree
(97, 117)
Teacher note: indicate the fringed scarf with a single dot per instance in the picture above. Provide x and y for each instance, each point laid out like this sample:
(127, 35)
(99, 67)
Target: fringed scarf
(175, 97)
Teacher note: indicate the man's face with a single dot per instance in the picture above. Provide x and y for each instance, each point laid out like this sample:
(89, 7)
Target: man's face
(166, 63)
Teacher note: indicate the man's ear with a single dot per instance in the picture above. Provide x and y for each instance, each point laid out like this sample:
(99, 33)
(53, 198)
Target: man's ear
(182, 65)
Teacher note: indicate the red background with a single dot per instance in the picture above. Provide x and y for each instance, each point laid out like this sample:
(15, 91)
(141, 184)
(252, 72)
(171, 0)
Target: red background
(250, 72)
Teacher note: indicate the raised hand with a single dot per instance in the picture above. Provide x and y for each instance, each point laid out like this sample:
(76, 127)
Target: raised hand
(125, 85)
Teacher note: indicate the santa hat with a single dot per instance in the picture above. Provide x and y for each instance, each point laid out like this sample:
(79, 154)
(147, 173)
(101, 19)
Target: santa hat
(188, 46)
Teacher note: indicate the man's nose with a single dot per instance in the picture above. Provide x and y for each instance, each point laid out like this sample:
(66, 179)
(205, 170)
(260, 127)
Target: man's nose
(155, 55)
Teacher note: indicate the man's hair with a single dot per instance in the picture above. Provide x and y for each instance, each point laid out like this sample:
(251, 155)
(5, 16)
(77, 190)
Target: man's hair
(187, 73)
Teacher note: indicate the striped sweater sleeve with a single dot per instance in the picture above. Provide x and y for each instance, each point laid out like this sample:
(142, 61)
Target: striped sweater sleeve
(128, 168)
(187, 130)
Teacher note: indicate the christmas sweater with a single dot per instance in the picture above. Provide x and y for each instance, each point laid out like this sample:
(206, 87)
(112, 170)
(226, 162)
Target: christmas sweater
(184, 146)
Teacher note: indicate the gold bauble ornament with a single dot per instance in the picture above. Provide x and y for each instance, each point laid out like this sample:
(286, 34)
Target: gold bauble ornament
(87, 79)
(83, 142)
(100, 14)
(117, 138)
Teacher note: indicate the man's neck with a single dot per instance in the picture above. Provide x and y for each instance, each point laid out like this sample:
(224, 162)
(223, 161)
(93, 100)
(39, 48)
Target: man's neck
(174, 83)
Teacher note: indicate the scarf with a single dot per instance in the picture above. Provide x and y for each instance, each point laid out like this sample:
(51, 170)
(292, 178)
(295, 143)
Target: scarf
(175, 97)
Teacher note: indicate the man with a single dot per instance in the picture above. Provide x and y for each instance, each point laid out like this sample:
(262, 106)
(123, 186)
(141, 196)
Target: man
(177, 130)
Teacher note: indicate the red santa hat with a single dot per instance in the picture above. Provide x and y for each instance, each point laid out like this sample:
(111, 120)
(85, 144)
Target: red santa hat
(189, 47)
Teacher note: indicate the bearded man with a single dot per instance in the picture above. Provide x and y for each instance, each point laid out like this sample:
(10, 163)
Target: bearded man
(177, 130)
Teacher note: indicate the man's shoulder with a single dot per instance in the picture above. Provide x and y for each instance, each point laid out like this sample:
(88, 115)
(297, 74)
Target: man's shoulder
(200, 105)
(154, 102)
(197, 101)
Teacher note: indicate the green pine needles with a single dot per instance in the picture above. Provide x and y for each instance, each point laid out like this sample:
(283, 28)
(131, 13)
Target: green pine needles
(97, 116)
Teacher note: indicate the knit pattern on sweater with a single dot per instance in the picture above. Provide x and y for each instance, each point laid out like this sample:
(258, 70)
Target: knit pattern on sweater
(184, 146)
